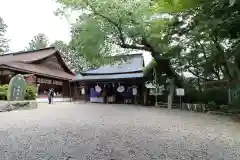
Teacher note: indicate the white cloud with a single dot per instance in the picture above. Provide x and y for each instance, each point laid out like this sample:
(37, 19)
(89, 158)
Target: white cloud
(26, 18)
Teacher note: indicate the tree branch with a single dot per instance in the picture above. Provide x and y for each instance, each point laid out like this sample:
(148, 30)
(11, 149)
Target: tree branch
(123, 43)
(224, 56)
(129, 46)
(206, 60)
(197, 75)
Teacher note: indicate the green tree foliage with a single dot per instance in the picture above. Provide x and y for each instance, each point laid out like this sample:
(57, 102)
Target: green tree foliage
(208, 39)
(175, 6)
(39, 41)
(200, 37)
(207, 35)
(104, 25)
(3, 39)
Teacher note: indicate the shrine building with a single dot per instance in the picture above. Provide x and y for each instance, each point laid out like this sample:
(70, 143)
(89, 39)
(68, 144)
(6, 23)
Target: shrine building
(119, 82)
(43, 68)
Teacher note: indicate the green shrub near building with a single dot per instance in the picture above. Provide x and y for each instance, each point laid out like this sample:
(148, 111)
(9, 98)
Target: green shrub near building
(3, 92)
(30, 92)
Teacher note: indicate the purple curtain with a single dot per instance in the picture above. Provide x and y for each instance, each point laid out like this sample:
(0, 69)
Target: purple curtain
(93, 93)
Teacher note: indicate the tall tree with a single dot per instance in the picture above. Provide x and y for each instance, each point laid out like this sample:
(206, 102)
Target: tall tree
(201, 36)
(39, 41)
(105, 24)
(3, 39)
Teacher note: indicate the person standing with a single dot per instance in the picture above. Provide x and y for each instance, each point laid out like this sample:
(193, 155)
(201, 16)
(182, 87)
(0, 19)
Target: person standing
(50, 96)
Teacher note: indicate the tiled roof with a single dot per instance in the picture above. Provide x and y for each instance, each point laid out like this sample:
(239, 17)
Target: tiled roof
(22, 61)
(36, 69)
(130, 67)
(27, 56)
(133, 63)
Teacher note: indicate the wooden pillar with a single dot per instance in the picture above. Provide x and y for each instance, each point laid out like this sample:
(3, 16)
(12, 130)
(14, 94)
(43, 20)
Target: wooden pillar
(86, 93)
(1, 76)
(9, 77)
(70, 91)
(76, 91)
(75, 94)
(37, 88)
(65, 89)
(145, 96)
(135, 100)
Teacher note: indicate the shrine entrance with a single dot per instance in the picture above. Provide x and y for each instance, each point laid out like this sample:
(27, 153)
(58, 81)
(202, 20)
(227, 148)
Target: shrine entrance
(45, 84)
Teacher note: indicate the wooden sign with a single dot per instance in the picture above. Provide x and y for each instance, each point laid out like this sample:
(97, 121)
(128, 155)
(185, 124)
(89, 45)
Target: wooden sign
(49, 81)
(180, 92)
(59, 83)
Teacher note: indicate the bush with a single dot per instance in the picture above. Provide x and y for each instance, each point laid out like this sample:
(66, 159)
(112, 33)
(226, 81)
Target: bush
(192, 96)
(3, 96)
(30, 92)
(217, 95)
(3, 92)
(212, 106)
(224, 108)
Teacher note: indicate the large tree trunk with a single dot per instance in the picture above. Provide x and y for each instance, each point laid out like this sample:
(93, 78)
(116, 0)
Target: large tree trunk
(171, 93)
(170, 74)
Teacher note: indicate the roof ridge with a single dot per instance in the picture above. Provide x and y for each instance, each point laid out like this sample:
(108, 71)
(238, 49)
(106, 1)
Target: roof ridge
(22, 52)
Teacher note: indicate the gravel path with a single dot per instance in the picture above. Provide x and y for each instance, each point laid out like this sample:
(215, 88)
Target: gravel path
(115, 132)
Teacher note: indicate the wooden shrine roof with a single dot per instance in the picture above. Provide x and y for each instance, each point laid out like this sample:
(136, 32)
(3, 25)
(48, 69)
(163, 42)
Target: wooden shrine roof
(131, 63)
(130, 67)
(25, 61)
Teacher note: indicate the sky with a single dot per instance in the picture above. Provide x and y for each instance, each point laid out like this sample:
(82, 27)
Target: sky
(27, 18)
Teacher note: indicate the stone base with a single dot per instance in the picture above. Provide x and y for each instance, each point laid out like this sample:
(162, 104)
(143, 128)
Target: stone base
(17, 105)
(3, 106)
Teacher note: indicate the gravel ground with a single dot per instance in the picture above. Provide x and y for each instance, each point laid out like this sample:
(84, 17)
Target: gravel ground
(115, 132)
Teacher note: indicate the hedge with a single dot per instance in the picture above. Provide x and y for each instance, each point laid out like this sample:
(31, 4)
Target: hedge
(216, 95)
(30, 92)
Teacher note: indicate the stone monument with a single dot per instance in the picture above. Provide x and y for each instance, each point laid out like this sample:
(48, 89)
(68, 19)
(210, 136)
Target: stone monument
(17, 88)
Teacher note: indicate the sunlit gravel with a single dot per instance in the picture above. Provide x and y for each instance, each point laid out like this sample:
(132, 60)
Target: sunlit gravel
(68, 131)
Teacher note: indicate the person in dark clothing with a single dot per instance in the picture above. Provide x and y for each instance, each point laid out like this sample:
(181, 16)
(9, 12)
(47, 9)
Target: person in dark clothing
(50, 95)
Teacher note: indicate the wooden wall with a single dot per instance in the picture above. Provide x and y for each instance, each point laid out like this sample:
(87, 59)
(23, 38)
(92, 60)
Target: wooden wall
(52, 62)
